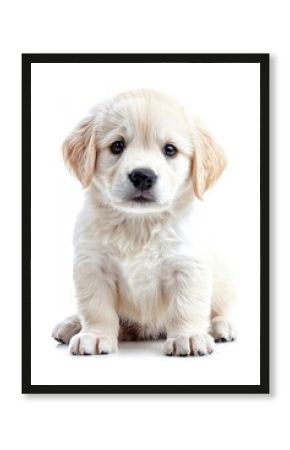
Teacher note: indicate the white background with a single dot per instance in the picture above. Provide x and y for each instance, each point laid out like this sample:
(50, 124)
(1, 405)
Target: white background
(206, 421)
(227, 98)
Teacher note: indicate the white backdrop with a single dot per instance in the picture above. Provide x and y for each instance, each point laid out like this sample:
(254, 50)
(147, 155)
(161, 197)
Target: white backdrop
(226, 98)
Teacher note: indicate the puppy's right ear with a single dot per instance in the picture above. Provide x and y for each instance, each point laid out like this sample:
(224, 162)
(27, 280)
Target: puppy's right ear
(209, 162)
(80, 152)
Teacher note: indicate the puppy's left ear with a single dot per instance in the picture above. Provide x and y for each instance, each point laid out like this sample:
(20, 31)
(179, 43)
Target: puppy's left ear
(209, 162)
(80, 151)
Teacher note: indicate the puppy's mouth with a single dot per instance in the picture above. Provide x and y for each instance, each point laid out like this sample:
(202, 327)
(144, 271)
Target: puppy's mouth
(140, 198)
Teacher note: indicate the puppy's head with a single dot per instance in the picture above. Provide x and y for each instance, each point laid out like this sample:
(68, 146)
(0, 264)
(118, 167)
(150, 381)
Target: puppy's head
(142, 153)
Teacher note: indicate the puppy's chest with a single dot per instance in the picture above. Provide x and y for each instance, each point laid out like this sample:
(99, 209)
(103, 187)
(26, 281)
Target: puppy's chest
(140, 272)
(140, 286)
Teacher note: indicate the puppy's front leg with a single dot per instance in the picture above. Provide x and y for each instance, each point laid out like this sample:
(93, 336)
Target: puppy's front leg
(188, 320)
(96, 293)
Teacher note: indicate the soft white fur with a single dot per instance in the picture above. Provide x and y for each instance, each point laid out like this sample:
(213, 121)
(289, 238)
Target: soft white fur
(145, 264)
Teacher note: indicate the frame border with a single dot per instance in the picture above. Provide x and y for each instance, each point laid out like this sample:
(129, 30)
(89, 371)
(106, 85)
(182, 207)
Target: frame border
(261, 58)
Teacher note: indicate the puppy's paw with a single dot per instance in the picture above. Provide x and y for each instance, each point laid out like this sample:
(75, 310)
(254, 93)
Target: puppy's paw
(64, 330)
(91, 344)
(197, 345)
(222, 330)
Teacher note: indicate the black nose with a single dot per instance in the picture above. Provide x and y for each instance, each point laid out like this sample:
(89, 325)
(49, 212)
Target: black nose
(142, 179)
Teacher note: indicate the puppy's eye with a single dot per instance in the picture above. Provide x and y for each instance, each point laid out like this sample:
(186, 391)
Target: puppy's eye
(117, 147)
(169, 150)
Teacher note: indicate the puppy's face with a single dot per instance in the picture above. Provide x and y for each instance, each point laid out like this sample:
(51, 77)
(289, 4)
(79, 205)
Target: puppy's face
(145, 149)
(141, 152)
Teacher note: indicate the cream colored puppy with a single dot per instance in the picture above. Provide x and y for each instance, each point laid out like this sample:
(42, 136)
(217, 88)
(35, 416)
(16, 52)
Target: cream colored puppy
(140, 269)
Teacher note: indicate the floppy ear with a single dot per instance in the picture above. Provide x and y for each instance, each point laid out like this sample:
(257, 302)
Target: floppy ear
(208, 162)
(80, 152)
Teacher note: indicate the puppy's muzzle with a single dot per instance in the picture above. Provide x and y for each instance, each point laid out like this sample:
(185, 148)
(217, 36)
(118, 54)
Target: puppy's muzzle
(142, 179)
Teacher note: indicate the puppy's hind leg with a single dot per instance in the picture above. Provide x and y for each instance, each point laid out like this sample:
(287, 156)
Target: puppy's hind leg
(221, 326)
(222, 329)
(66, 329)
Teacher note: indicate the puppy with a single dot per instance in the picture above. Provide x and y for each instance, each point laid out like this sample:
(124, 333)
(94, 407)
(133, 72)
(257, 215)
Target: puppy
(140, 269)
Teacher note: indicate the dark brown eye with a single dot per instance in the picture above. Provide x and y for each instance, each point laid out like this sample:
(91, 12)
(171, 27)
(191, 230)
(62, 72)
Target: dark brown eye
(117, 147)
(169, 150)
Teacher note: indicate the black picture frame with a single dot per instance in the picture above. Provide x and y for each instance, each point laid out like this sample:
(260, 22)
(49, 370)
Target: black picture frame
(263, 60)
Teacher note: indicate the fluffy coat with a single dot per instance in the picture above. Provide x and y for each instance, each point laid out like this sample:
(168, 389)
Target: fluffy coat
(142, 269)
